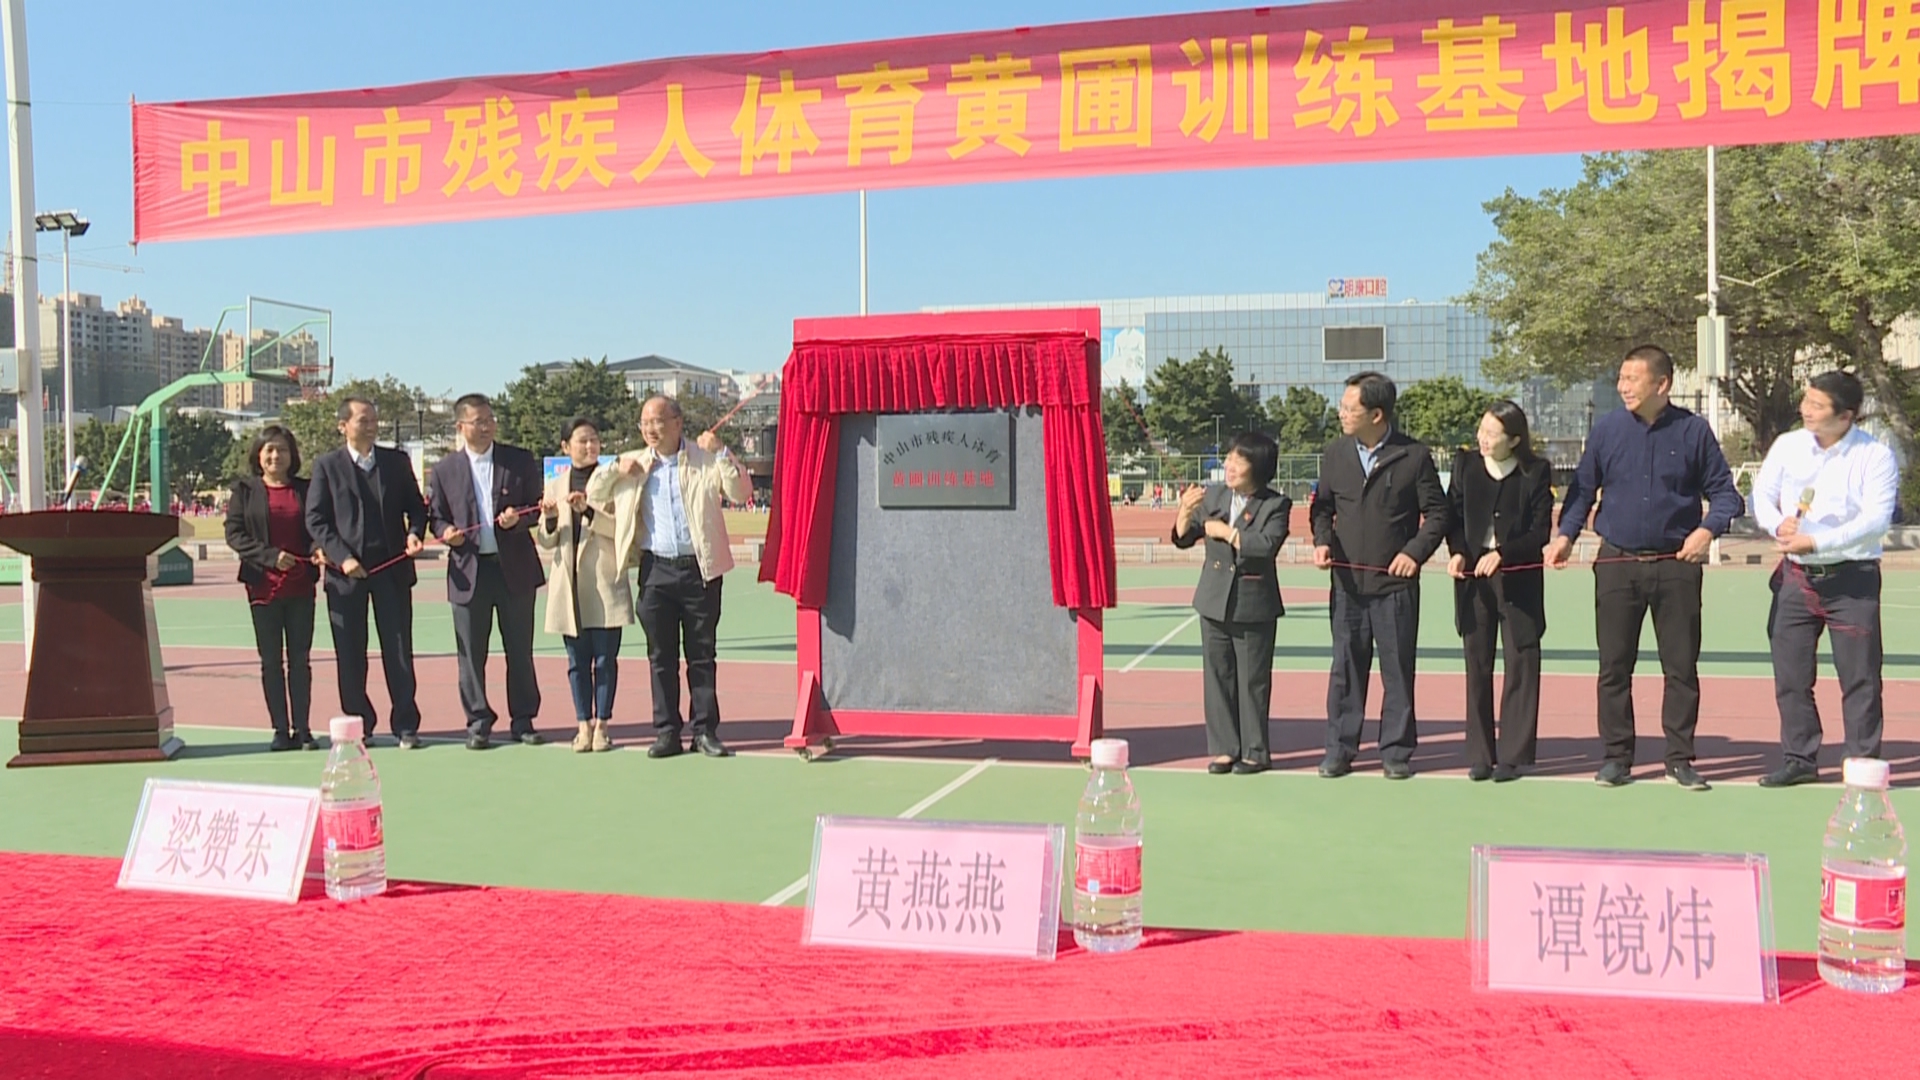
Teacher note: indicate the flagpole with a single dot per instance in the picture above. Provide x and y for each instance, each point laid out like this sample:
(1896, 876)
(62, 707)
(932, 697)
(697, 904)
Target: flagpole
(26, 301)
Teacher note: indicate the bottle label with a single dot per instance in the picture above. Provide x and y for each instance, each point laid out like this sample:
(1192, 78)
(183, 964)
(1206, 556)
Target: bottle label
(353, 827)
(1106, 871)
(1863, 903)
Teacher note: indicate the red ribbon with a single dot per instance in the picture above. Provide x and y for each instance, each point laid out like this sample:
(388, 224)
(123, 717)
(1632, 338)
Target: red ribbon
(523, 511)
(1525, 566)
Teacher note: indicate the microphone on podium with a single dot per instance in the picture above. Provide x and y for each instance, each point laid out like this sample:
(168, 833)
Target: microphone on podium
(73, 481)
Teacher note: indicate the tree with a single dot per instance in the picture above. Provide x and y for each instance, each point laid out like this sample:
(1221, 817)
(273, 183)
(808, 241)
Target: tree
(1189, 401)
(197, 450)
(1442, 412)
(316, 424)
(700, 411)
(1303, 421)
(1120, 416)
(1815, 258)
(533, 407)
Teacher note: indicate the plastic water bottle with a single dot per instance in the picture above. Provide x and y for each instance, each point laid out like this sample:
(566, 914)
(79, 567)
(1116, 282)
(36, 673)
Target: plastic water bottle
(1863, 887)
(1106, 855)
(356, 852)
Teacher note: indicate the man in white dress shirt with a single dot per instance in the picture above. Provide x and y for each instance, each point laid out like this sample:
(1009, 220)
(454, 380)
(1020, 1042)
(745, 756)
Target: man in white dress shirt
(1826, 492)
(483, 495)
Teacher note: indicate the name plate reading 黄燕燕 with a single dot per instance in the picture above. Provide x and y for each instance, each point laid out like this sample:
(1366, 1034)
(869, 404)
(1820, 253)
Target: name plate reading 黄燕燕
(251, 841)
(984, 888)
(932, 460)
(1622, 923)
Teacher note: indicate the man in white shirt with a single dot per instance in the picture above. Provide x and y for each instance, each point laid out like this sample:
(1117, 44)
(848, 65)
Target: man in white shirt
(1826, 492)
(678, 539)
(483, 495)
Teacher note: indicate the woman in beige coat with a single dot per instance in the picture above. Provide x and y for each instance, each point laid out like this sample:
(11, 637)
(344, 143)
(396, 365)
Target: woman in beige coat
(588, 602)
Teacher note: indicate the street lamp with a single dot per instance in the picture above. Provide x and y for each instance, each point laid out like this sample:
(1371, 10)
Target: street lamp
(69, 225)
(1216, 434)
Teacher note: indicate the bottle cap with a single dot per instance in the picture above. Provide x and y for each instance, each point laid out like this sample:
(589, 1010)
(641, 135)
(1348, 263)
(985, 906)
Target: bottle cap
(346, 729)
(1862, 772)
(1109, 753)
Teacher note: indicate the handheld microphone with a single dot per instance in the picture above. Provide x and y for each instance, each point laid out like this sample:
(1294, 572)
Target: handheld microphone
(1806, 503)
(73, 481)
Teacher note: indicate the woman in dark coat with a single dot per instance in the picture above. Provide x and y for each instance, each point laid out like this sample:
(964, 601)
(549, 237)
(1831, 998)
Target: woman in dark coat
(1502, 497)
(266, 527)
(1244, 523)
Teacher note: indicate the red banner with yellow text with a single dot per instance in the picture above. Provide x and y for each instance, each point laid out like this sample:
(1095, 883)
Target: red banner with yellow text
(1354, 81)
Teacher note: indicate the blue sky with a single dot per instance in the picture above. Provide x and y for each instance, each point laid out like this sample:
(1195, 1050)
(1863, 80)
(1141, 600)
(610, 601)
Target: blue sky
(464, 306)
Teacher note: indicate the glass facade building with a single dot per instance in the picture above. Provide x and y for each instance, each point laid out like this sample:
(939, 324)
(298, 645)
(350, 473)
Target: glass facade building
(1279, 340)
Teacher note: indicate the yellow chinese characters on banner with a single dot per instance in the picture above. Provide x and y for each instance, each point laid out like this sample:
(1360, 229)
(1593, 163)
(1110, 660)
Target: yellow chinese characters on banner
(1265, 86)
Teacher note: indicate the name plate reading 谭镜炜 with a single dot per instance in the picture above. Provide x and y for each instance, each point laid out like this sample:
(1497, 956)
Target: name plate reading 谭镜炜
(1622, 923)
(934, 460)
(246, 840)
(983, 888)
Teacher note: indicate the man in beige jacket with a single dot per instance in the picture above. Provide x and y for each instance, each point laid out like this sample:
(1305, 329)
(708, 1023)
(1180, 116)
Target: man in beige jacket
(677, 538)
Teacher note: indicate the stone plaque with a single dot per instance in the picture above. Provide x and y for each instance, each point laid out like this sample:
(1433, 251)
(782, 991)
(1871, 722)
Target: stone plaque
(945, 460)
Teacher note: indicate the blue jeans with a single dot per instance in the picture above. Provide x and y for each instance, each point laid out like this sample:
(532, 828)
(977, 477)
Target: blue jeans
(593, 670)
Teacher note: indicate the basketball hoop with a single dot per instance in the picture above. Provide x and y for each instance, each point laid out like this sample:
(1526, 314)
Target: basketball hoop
(312, 380)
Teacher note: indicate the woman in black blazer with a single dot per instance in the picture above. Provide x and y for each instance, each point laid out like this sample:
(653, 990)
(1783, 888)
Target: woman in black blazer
(1244, 524)
(1502, 499)
(267, 528)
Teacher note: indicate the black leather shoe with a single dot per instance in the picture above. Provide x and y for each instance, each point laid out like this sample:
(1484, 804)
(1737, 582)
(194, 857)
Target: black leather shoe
(666, 745)
(1614, 774)
(1220, 768)
(1248, 768)
(1397, 770)
(708, 743)
(477, 741)
(1334, 766)
(410, 741)
(530, 738)
(1793, 772)
(1477, 773)
(306, 740)
(1505, 774)
(1684, 775)
(283, 742)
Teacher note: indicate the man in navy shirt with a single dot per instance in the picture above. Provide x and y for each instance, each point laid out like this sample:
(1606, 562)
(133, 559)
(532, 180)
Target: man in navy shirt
(1654, 462)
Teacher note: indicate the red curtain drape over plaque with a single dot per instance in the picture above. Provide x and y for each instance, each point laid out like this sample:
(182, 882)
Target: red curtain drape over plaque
(825, 380)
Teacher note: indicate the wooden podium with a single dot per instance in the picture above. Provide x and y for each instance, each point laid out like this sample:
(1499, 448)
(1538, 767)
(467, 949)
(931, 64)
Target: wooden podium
(96, 689)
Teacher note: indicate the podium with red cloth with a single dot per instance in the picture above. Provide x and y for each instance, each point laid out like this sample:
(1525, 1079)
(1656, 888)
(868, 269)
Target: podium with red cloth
(96, 688)
(962, 600)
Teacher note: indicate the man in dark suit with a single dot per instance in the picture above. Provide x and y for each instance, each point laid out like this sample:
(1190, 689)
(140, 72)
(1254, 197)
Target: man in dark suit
(365, 512)
(484, 498)
(1380, 505)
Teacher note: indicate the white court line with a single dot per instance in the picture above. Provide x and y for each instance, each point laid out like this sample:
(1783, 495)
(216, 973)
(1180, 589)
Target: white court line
(909, 814)
(1155, 647)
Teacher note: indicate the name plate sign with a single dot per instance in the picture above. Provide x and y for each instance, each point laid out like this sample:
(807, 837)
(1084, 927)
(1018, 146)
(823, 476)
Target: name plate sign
(1623, 924)
(945, 459)
(982, 888)
(251, 841)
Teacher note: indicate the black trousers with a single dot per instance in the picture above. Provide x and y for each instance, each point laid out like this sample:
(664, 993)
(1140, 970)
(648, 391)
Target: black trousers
(1390, 622)
(283, 633)
(1805, 602)
(392, 605)
(680, 608)
(1239, 687)
(473, 631)
(1623, 594)
(1491, 617)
